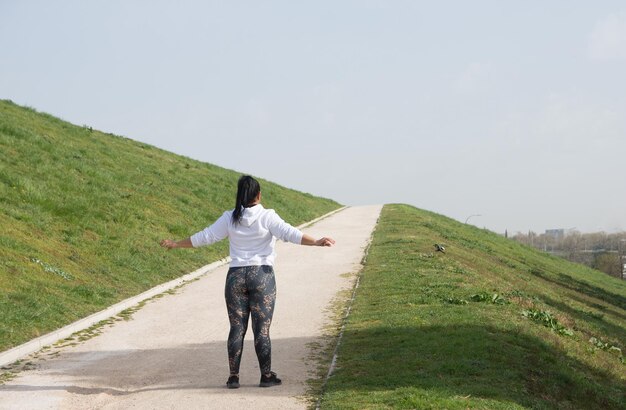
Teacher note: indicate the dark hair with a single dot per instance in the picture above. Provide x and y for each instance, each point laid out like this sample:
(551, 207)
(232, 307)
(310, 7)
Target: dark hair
(247, 190)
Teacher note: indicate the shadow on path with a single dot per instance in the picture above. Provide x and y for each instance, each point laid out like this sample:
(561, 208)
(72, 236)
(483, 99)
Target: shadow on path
(127, 372)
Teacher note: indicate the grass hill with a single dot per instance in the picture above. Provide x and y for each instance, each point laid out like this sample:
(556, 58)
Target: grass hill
(490, 324)
(82, 211)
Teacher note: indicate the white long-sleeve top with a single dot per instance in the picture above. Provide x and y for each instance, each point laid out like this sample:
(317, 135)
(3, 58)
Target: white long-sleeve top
(252, 240)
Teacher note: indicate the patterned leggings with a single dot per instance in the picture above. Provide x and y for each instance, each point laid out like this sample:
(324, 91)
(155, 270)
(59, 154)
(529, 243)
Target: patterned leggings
(250, 290)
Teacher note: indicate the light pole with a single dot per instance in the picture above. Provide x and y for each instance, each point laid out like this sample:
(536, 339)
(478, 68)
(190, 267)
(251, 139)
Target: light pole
(467, 219)
(620, 256)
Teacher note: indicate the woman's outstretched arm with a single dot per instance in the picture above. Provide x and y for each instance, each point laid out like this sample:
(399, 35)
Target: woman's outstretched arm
(170, 244)
(214, 233)
(310, 241)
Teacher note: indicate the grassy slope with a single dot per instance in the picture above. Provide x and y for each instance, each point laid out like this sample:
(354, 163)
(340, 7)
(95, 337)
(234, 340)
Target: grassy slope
(81, 213)
(416, 339)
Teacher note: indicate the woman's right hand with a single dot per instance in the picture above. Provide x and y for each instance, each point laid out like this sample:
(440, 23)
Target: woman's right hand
(168, 243)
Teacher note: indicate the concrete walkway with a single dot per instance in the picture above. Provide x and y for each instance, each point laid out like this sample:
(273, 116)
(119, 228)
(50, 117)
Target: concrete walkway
(172, 354)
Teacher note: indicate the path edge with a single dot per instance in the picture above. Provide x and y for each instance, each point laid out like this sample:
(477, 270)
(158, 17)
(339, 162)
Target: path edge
(18, 352)
(344, 320)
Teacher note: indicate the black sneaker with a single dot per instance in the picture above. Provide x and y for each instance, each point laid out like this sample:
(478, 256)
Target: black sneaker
(269, 381)
(233, 382)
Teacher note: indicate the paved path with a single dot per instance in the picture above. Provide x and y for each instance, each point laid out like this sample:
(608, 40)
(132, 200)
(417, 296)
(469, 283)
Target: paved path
(172, 354)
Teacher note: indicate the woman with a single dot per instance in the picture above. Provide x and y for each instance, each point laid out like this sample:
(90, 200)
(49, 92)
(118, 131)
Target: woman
(250, 286)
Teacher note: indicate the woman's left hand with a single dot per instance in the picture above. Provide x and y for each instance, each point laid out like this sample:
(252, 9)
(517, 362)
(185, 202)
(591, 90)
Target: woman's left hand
(325, 241)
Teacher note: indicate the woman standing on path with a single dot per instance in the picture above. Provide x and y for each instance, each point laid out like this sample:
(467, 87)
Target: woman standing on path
(250, 285)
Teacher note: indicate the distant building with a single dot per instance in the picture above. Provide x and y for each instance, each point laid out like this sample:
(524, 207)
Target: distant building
(555, 233)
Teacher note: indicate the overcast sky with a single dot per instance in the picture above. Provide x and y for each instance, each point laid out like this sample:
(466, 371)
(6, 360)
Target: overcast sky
(513, 110)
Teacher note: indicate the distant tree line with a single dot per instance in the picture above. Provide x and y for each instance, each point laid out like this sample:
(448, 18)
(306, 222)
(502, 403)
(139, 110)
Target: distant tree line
(602, 251)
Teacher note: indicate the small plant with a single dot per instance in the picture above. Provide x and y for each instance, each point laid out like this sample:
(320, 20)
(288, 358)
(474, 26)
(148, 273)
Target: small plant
(456, 301)
(600, 345)
(594, 315)
(547, 319)
(518, 294)
(458, 269)
(52, 269)
(490, 298)
(426, 255)
(6, 377)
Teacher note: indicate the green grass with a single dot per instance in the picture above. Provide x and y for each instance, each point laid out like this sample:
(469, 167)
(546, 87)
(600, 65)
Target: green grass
(82, 212)
(490, 324)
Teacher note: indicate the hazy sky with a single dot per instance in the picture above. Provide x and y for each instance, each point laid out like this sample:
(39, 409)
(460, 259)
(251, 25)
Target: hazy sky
(514, 110)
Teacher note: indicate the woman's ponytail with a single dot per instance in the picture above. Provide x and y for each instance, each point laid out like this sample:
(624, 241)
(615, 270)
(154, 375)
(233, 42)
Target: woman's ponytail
(247, 190)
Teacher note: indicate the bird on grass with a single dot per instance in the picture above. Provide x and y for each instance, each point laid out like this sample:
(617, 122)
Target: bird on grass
(440, 248)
